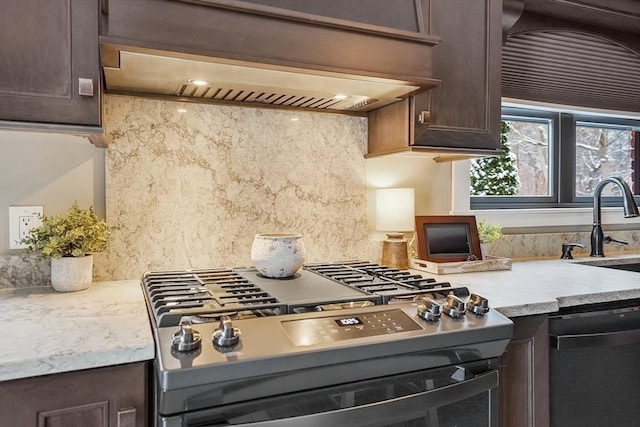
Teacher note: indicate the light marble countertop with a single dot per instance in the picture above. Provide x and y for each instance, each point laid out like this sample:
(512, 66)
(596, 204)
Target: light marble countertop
(536, 287)
(45, 332)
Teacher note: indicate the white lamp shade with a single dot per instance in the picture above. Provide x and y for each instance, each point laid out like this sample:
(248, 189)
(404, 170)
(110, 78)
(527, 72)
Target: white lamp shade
(395, 209)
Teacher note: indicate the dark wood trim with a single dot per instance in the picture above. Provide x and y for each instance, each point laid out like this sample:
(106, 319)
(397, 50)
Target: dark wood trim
(511, 12)
(325, 21)
(98, 411)
(524, 374)
(216, 33)
(600, 8)
(530, 22)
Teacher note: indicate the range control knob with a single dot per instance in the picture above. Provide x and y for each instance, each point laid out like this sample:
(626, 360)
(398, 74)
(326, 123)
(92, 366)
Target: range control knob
(453, 307)
(429, 310)
(477, 304)
(187, 338)
(226, 335)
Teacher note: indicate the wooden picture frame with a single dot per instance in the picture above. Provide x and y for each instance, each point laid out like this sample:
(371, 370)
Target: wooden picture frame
(448, 238)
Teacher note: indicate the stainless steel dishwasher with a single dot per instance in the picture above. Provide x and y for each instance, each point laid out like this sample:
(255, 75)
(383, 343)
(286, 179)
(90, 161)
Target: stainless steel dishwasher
(594, 365)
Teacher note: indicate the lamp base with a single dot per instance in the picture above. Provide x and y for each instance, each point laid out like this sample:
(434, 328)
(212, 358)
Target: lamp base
(395, 253)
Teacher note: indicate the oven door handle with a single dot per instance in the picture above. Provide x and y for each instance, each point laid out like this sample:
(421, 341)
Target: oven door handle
(390, 411)
(604, 339)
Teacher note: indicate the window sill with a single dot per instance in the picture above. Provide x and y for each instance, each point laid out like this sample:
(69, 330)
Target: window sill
(553, 220)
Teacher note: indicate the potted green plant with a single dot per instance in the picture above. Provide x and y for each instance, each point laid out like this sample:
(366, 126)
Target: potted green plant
(488, 233)
(69, 239)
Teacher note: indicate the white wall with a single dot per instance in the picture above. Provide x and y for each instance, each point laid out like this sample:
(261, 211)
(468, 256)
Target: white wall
(48, 170)
(430, 180)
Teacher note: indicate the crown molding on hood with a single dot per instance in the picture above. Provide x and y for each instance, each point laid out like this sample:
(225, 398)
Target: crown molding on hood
(250, 53)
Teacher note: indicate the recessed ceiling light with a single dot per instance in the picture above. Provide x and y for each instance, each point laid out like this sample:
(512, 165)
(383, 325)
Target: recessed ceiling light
(198, 82)
(340, 96)
(294, 119)
(182, 110)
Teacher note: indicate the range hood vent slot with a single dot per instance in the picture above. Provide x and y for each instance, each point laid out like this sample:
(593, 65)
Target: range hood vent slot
(273, 98)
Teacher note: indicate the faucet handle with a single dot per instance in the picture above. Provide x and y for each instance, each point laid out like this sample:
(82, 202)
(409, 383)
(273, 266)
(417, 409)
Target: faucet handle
(567, 248)
(609, 239)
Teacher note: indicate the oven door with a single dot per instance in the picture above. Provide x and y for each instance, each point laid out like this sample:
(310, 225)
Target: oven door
(457, 395)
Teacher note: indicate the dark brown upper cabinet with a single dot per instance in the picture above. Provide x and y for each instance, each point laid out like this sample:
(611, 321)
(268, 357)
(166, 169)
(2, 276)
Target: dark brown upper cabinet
(461, 116)
(50, 64)
(273, 53)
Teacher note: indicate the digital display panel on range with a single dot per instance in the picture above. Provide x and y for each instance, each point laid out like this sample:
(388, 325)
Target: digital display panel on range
(348, 321)
(326, 329)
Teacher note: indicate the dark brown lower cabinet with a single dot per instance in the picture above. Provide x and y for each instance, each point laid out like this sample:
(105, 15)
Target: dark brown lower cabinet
(115, 396)
(524, 375)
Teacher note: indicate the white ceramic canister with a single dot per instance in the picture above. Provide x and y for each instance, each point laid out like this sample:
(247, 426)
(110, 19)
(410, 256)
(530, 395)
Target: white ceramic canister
(278, 255)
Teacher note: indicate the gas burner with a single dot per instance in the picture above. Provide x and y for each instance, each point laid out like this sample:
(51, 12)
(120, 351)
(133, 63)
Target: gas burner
(391, 284)
(205, 295)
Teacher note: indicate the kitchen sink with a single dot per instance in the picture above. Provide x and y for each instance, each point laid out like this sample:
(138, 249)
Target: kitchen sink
(627, 264)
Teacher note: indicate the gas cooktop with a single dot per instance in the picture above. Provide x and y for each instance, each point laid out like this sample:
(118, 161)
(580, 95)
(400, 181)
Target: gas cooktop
(226, 335)
(205, 295)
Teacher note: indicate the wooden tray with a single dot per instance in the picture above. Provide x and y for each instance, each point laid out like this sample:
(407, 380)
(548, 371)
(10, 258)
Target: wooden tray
(488, 264)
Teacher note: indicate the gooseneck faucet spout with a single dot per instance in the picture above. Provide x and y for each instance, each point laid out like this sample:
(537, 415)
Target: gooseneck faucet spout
(630, 211)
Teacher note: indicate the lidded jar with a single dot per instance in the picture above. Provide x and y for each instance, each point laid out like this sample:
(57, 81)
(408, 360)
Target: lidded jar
(278, 255)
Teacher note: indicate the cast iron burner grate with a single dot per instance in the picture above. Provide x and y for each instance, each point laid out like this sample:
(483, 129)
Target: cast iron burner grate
(390, 283)
(203, 294)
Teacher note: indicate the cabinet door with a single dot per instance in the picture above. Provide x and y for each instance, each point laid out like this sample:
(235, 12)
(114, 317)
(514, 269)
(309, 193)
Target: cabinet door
(105, 397)
(524, 374)
(46, 46)
(465, 108)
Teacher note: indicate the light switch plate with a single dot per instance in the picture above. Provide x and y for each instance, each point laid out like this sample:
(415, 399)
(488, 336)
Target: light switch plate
(21, 220)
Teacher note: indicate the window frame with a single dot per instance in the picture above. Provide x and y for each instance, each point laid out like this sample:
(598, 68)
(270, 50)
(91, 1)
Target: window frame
(562, 139)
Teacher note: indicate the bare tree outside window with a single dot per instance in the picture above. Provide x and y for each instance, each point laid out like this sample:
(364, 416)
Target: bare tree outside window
(529, 142)
(602, 152)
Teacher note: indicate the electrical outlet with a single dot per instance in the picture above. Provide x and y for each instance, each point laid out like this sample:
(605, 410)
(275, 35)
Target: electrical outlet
(21, 220)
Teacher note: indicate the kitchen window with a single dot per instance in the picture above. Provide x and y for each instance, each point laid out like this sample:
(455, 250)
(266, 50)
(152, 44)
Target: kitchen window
(559, 157)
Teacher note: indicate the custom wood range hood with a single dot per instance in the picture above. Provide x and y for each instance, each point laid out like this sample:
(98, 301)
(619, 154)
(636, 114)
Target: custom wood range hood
(312, 55)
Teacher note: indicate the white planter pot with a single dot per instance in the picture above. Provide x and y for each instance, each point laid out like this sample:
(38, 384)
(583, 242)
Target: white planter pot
(71, 273)
(278, 255)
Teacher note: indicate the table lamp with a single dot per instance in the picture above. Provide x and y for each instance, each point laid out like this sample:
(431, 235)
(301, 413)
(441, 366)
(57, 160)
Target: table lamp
(395, 215)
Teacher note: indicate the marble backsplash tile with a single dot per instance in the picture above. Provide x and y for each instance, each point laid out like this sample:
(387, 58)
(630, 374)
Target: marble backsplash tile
(24, 271)
(527, 246)
(189, 190)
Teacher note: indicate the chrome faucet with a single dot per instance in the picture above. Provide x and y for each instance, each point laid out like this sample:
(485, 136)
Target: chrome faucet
(630, 211)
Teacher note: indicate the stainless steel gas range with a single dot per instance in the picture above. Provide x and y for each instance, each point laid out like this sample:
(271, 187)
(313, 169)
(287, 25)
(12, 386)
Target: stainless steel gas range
(339, 344)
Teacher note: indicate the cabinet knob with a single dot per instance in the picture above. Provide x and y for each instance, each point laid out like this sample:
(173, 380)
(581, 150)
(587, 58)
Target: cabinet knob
(85, 87)
(127, 417)
(424, 117)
